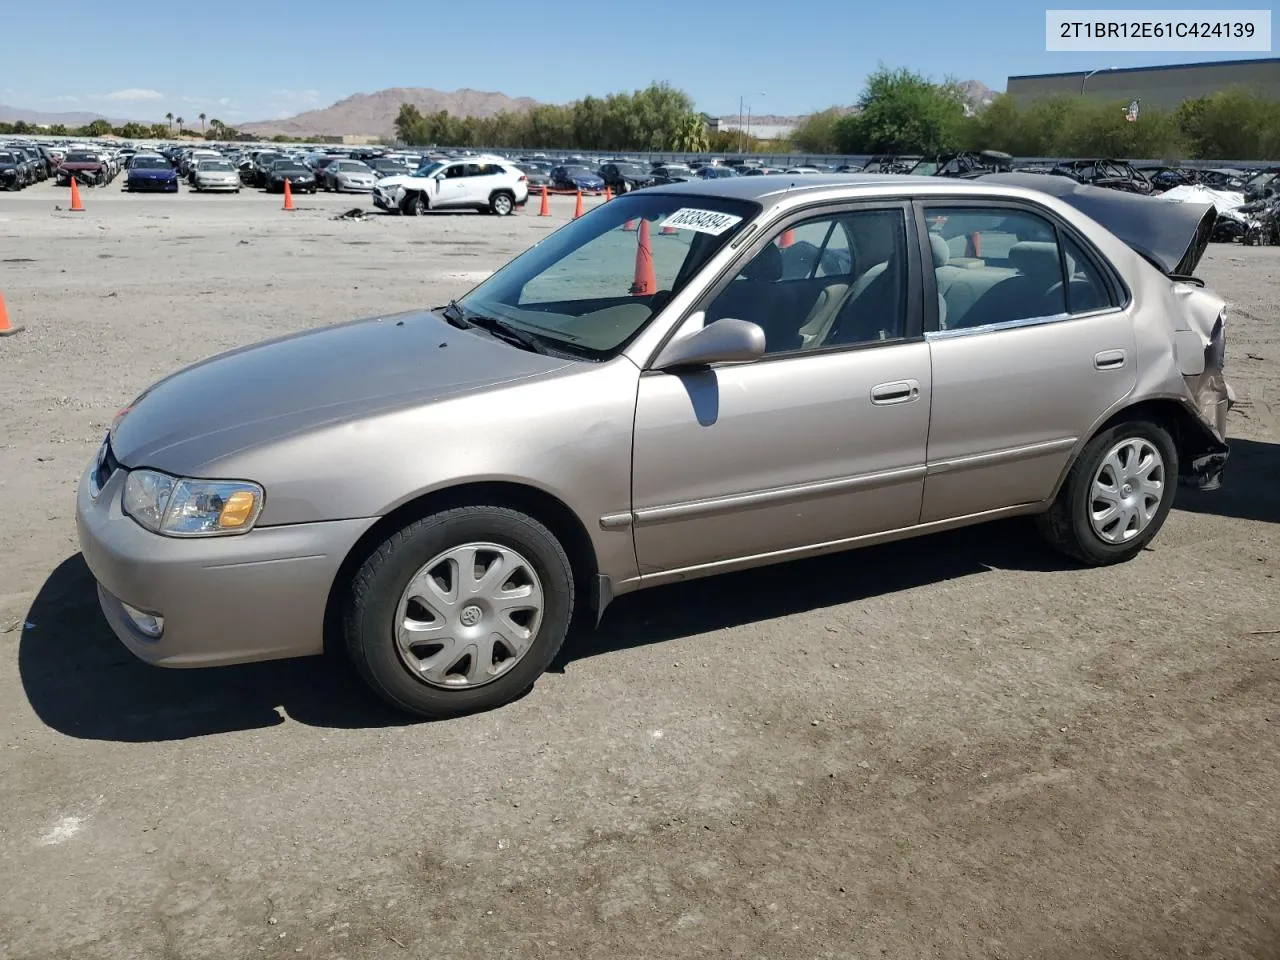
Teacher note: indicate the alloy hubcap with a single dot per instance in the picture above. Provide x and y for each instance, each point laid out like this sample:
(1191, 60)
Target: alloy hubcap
(468, 615)
(1127, 490)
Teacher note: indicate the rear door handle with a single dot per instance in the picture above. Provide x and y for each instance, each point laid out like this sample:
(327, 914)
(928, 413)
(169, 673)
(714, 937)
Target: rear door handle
(899, 391)
(1109, 360)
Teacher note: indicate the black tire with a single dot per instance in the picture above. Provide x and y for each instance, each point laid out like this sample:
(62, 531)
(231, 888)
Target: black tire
(415, 205)
(502, 204)
(378, 584)
(1067, 527)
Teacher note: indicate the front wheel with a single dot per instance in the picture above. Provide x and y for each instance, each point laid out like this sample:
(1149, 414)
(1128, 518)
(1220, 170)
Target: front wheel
(1117, 495)
(415, 205)
(460, 612)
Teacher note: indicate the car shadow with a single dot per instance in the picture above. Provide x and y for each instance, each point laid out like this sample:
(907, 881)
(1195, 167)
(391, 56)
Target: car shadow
(766, 593)
(1250, 489)
(83, 683)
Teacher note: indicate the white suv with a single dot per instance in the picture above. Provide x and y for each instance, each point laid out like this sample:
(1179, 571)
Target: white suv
(484, 183)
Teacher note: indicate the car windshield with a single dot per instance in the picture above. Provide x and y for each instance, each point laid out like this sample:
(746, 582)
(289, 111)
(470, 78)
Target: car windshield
(81, 158)
(221, 166)
(429, 170)
(6, 157)
(150, 163)
(583, 289)
(577, 172)
(630, 170)
(353, 166)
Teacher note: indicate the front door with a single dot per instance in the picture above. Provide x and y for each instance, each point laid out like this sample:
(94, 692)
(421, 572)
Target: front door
(451, 188)
(1024, 365)
(821, 440)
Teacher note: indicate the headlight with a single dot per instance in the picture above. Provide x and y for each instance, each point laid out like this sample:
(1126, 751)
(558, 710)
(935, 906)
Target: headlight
(178, 507)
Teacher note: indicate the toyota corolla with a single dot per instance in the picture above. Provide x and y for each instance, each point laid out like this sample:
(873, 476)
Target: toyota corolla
(688, 380)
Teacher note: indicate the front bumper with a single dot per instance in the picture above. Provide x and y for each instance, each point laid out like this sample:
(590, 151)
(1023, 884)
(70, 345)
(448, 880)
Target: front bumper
(224, 600)
(212, 185)
(352, 187)
(150, 183)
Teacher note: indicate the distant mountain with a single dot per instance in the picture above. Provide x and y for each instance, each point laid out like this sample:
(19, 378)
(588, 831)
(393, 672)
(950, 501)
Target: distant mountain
(977, 93)
(374, 114)
(73, 119)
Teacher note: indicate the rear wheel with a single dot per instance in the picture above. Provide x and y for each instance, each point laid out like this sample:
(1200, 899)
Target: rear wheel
(1117, 495)
(461, 611)
(501, 204)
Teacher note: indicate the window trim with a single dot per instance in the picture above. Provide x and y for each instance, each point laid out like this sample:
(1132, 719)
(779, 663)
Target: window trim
(1117, 290)
(761, 234)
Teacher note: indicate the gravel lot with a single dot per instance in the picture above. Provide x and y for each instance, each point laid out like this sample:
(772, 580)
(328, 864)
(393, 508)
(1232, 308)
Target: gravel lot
(953, 748)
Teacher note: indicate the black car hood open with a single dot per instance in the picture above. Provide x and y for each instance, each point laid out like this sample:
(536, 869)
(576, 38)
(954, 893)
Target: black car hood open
(1172, 236)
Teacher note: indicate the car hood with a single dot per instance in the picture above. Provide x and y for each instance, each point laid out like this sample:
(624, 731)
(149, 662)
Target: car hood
(401, 180)
(1172, 236)
(82, 164)
(284, 387)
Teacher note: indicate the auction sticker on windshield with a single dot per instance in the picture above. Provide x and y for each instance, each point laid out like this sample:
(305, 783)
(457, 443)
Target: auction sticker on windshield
(701, 221)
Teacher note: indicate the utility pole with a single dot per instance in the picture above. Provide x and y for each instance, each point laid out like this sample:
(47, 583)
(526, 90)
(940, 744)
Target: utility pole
(740, 102)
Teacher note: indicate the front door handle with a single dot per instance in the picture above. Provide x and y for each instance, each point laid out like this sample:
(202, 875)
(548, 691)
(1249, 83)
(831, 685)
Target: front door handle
(1109, 360)
(899, 391)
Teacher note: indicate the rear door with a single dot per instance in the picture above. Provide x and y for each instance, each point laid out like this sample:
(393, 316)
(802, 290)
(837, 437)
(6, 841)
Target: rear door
(1031, 342)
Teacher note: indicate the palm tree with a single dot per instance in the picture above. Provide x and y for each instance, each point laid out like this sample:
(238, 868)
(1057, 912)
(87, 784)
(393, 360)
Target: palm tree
(169, 117)
(202, 123)
(178, 121)
(692, 135)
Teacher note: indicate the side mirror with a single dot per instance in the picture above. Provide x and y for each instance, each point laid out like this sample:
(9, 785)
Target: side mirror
(724, 341)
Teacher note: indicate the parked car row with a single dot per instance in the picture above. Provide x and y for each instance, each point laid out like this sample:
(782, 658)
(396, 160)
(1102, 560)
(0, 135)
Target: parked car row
(22, 165)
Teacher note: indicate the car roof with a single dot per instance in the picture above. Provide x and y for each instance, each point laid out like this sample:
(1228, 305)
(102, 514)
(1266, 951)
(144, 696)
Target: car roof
(770, 188)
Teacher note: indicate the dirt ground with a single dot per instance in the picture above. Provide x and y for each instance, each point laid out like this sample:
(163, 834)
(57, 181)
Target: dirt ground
(959, 747)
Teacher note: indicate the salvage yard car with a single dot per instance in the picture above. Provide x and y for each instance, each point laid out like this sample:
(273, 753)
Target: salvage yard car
(216, 175)
(493, 186)
(442, 492)
(150, 172)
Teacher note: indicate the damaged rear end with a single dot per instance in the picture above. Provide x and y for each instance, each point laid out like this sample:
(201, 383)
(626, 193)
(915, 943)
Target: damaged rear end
(1180, 326)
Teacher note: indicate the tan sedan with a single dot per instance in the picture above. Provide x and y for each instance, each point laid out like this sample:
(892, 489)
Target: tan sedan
(690, 379)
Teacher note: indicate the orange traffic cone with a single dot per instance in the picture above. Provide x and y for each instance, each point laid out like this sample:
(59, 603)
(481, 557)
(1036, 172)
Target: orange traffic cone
(608, 193)
(646, 282)
(787, 239)
(669, 231)
(288, 195)
(76, 205)
(7, 329)
(973, 245)
(546, 204)
(577, 210)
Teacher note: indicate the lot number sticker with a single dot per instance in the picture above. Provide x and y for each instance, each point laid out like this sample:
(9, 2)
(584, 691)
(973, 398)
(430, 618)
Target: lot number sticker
(701, 221)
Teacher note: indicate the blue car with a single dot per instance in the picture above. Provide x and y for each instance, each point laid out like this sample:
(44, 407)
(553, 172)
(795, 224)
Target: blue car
(567, 177)
(150, 172)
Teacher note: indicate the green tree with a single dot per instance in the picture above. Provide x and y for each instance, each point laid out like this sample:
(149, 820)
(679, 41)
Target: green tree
(58, 130)
(692, 135)
(169, 117)
(99, 128)
(817, 132)
(202, 122)
(903, 112)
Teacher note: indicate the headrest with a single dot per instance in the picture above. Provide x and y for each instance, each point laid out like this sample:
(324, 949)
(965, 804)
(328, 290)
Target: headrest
(765, 266)
(941, 252)
(1036, 258)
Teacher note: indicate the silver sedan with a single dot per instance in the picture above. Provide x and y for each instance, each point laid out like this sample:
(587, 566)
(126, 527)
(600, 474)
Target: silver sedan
(687, 380)
(216, 175)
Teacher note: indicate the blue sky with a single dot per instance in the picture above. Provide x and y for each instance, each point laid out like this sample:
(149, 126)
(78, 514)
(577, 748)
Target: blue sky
(140, 60)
